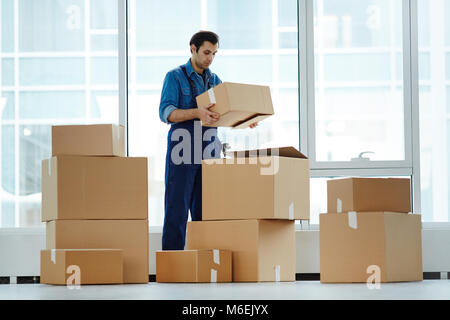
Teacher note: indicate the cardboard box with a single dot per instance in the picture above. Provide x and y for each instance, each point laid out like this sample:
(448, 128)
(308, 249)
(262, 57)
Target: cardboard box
(193, 266)
(263, 250)
(262, 187)
(370, 247)
(129, 235)
(75, 187)
(369, 194)
(239, 105)
(89, 140)
(81, 266)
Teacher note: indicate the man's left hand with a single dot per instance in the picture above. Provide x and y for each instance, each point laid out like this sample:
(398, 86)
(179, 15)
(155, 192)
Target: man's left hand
(253, 125)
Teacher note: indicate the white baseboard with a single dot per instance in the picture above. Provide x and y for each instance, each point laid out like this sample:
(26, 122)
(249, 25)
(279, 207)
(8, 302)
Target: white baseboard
(20, 250)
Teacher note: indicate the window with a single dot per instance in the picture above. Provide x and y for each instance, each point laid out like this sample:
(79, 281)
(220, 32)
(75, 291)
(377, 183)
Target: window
(58, 66)
(258, 45)
(434, 84)
(359, 103)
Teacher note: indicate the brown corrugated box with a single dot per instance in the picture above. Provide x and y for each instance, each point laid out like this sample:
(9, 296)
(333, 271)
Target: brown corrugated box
(262, 187)
(263, 250)
(88, 266)
(88, 140)
(350, 243)
(239, 105)
(369, 194)
(76, 187)
(129, 235)
(193, 266)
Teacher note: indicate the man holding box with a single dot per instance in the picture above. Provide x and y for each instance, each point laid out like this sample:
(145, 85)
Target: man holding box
(178, 108)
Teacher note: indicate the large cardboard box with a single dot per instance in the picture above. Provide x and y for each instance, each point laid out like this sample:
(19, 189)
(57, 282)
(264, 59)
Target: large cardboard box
(89, 140)
(75, 187)
(81, 266)
(369, 194)
(258, 184)
(239, 105)
(129, 235)
(263, 250)
(370, 247)
(193, 266)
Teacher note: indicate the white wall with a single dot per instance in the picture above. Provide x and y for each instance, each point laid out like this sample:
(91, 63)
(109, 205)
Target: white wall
(20, 250)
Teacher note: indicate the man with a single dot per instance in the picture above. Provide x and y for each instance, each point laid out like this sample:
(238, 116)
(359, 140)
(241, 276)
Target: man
(178, 107)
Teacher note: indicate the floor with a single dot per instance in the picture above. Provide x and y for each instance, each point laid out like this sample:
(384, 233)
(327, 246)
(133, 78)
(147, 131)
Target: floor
(299, 290)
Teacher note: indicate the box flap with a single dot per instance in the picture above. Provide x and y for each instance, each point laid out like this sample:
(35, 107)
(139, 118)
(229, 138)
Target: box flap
(289, 152)
(254, 118)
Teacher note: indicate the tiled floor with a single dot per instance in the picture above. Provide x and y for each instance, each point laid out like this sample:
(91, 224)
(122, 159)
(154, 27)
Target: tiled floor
(300, 290)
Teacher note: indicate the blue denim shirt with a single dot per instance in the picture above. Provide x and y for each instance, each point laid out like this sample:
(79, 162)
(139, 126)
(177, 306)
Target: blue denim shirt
(176, 91)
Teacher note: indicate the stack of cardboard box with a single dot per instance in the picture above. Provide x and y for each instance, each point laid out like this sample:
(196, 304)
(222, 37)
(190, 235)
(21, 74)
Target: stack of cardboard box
(95, 205)
(369, 234)
(250, 201)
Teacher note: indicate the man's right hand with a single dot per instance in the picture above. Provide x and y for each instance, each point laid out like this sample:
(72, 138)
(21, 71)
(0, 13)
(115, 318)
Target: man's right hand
(206, 116)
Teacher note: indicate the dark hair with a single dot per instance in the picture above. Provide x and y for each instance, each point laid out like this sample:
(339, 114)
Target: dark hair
(202, 36)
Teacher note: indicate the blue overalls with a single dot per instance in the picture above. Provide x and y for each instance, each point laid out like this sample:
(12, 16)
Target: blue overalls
(183, 181)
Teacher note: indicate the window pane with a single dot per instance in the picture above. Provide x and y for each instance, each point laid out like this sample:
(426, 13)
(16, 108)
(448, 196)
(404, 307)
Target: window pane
(104, 70)
(434, 109)
(165, 24)
(7, 105)
(7, 75)
(103, 14)
(8, 161)
(104, 43)
(59, 81)
(51, 71)
(7, 25)
(359, 79)
(242, 26)
(288, 40)
(49, 25)
(52, 105)
(287, 13)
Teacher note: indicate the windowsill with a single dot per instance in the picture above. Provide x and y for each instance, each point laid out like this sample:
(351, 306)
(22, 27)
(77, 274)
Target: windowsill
(158, 229)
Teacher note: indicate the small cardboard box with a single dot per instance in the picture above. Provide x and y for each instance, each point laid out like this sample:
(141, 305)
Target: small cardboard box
(369, 194)
(370, 247)
(81, 266)
(76, 187)
(239, 105)
(129, 235)
(258, 184)
(193, 266)
(89, 140)
(262, 250)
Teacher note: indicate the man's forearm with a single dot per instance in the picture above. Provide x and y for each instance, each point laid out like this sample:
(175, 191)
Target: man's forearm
(180, 115)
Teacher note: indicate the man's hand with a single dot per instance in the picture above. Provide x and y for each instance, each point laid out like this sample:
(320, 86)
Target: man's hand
(253, 125)
(206, 116)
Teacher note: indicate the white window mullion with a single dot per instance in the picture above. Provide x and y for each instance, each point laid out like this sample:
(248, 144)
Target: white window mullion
(16, 116)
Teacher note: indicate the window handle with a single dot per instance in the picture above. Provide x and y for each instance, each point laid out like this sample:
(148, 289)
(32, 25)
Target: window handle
(360, 156)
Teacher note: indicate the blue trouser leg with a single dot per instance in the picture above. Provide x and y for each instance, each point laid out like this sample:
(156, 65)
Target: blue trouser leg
(179, 190)
(183, 194)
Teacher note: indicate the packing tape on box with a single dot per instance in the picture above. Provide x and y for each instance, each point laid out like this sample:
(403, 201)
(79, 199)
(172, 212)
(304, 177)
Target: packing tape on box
(212, 97)
(216, 254)
(291, 211)
(339, 205)
(50, 167)
(53, 255)
(213, 275)
(277, 273)
(352, 220)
